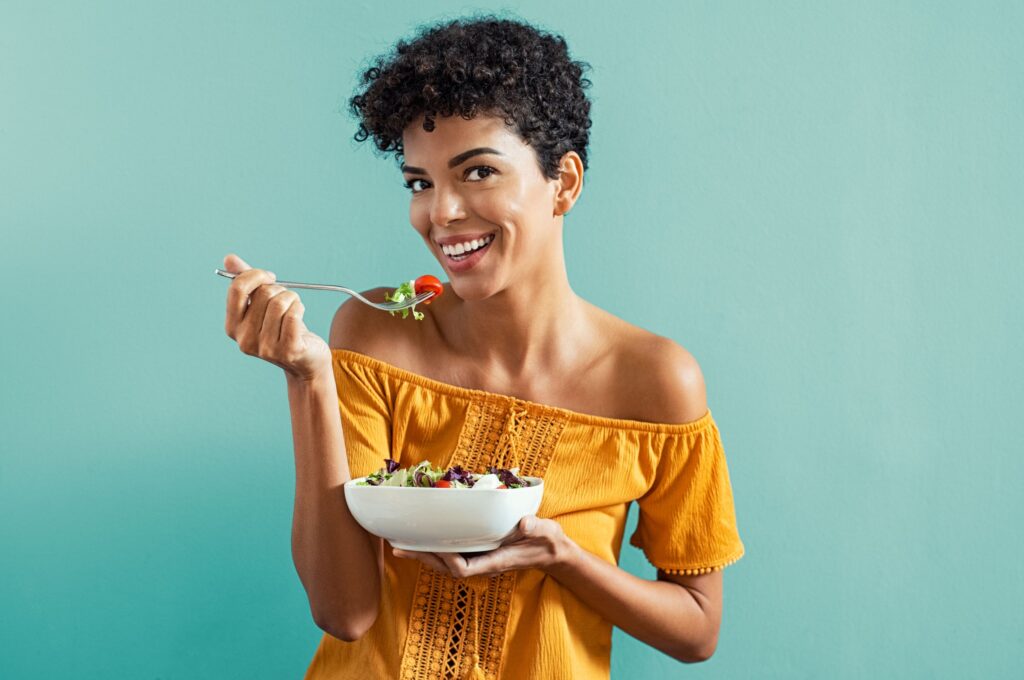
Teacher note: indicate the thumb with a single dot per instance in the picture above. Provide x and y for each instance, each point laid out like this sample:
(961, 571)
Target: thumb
(234, 264)
(522, 530)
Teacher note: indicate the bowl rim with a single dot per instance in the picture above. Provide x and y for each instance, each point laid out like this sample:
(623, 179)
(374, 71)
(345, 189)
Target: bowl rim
(353, 482)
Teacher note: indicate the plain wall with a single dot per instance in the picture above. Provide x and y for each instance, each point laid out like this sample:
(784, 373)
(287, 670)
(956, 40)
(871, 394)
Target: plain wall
(820, 200)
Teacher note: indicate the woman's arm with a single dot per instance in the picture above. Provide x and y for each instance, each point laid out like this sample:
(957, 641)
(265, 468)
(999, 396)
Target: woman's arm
(338, 562)
(679, 615)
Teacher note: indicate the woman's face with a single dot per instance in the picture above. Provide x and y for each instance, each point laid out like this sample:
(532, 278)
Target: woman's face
(476, 186)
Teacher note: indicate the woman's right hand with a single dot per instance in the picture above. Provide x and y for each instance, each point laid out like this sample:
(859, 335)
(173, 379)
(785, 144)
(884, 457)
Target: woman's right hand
(266, 321)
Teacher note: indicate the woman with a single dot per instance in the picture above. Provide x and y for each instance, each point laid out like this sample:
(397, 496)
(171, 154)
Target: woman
(510, 366)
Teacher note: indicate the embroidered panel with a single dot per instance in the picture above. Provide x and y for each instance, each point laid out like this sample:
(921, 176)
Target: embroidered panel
(458, 625)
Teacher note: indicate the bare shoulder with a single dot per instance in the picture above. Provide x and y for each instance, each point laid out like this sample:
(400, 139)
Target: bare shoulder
(660, 377)
(361, 328)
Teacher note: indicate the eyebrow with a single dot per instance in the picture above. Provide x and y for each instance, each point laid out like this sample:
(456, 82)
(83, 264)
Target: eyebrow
(455, 161)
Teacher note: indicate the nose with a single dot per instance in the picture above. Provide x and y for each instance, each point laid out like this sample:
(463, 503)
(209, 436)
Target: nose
(446, 208)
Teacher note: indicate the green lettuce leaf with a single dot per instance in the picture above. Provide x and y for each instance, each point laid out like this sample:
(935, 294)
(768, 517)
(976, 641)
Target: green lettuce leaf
(405, 291)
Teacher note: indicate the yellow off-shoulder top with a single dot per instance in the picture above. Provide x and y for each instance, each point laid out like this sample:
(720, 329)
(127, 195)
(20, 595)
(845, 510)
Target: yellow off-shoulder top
(523, 624)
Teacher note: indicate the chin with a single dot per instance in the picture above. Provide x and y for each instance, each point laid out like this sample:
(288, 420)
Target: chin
(471, 292)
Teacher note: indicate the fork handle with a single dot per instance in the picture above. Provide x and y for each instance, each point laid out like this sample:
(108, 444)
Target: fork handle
(294, 284)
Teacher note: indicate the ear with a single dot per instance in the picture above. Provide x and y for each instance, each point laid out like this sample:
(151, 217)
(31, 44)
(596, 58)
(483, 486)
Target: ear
(569, 183)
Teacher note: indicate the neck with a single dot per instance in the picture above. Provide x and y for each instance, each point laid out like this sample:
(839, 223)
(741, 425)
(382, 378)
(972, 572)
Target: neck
(530, 328)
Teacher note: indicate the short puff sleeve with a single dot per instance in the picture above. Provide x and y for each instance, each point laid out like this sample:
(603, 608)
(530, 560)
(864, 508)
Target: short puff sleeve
(687, 521)
(366, 414)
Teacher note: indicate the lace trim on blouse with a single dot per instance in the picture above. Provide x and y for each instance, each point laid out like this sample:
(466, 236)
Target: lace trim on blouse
(457, 626)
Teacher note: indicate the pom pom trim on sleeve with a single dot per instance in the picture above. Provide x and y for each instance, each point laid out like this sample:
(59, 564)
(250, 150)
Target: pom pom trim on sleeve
(701, 570)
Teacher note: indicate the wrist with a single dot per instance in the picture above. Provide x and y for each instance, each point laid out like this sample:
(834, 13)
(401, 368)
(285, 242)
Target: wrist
(322, 377)
(565, 559)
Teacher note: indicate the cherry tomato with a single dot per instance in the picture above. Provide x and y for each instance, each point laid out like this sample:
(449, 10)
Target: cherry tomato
(443, 484)
(502, 486)
(428, 283)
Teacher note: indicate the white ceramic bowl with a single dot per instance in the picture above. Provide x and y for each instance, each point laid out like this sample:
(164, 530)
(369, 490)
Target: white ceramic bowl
(442, 520)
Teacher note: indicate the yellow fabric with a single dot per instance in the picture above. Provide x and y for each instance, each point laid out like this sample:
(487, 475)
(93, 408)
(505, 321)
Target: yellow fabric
(523, 624)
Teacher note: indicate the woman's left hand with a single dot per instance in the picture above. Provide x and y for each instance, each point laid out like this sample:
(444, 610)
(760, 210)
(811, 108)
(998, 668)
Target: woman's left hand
(535, 544)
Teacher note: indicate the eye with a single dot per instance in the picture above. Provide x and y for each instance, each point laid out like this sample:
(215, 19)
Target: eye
(411, 185)
(485, 170)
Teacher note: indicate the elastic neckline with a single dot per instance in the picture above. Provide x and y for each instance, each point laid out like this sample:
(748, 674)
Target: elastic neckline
(482, 395)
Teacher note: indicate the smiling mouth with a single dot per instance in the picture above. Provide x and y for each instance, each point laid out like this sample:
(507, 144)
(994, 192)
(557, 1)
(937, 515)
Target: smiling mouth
(453, 253)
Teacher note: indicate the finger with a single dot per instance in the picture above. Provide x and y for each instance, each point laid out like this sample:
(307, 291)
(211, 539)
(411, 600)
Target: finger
(277, 307)
(429, 559)
(233, 263)
(239, 291)
(458, 566)
(292, 326)
(248, 332)
(434, 562)
(526, 527)
(493, 562)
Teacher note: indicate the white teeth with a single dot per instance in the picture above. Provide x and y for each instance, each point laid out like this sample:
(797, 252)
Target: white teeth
(469, 246)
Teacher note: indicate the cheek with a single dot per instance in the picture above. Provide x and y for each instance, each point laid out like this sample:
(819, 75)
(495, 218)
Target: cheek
(511, 206)
(419, 218)
(525, 211)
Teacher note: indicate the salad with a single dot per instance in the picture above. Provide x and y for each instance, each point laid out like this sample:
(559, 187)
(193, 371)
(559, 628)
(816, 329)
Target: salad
(423, 474)
(411, 289)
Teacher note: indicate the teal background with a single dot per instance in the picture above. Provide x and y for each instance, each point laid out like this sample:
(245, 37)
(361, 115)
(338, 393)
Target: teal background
(821, 200)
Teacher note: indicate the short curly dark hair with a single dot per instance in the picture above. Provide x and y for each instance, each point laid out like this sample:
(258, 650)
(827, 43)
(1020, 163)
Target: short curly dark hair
(479, 65)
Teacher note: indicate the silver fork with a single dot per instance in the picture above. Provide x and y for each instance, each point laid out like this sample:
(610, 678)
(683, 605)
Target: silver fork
(386, 306)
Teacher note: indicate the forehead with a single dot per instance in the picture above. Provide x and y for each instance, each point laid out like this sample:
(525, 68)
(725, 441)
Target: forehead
(454, 134)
